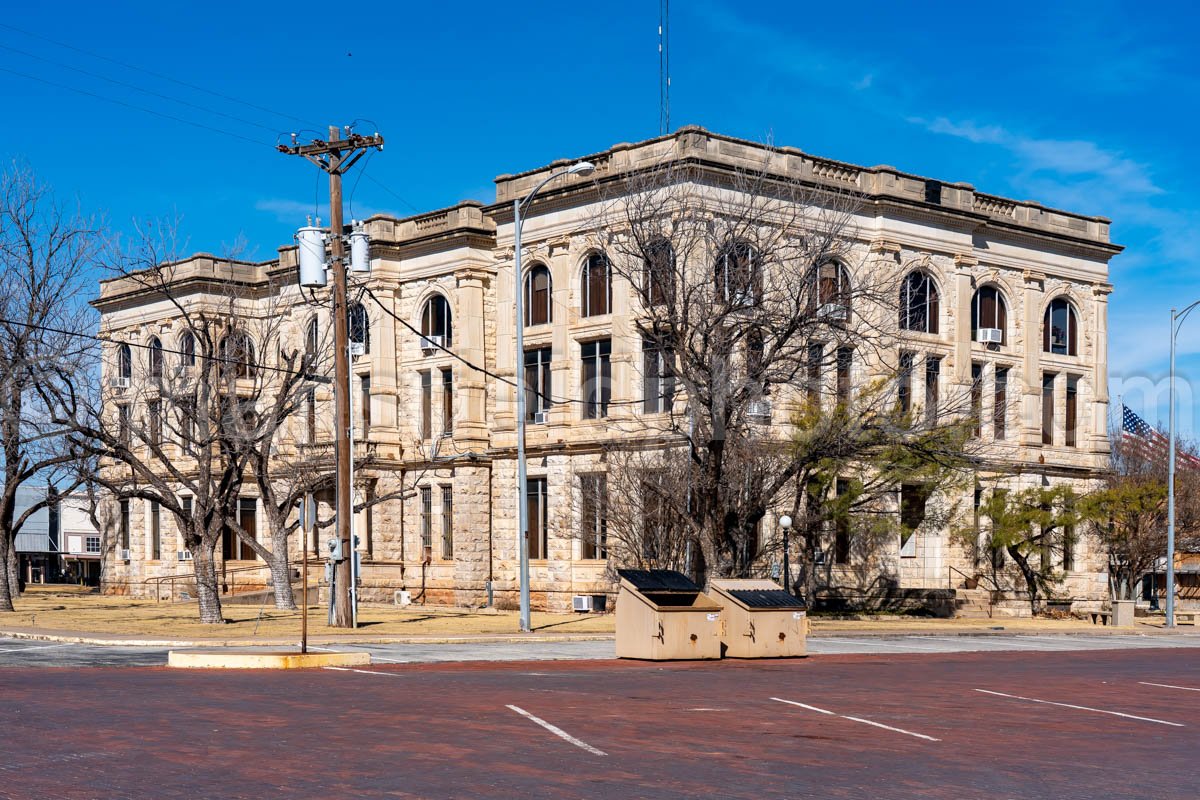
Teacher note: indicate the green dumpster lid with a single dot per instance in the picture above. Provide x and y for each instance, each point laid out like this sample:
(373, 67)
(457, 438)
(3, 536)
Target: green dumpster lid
(658, 580)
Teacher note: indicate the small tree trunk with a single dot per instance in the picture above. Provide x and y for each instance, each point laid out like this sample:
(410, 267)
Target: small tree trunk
(1028, 574)
(13, 568)
(281, 572)
(207, 593)
(7, 589)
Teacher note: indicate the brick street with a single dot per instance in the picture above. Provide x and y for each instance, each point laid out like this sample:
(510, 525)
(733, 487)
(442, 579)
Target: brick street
(1091, 724)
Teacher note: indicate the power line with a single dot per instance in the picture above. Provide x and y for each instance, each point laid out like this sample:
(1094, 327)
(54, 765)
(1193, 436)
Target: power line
(157, 74)
(389, 190)
(143, 346)
(485, 370)
(137, 88)
(134, 106)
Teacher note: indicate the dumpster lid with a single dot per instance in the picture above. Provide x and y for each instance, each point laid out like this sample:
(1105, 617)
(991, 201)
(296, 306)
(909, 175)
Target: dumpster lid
(757, 593)
(658, 580)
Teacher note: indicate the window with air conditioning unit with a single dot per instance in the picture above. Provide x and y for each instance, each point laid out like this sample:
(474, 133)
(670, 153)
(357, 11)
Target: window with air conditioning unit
(184, 555)
(581, 602)
(834, 312)
(760, 409)
(124, 555)
(119, 382)
(541, 417)
(431, 343)
(989, 336)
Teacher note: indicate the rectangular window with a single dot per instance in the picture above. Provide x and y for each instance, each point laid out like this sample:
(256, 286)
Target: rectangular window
(1000, 409)
(597, 378)
(1071, 418)
(124, 531)
(1048, 407)
(185, 501)
(154, 412)
(816, 352)
(364, 393)
(658, 386)
(426, 404)
(841, 528)
(1069, 539)
(155, 532)
(537, 382)
(977, 399)
(1000, 500)
(913, 499)
(310, 416)
(248, 520)
(92, 544)
(123, 424)
(594, 523)
(933, 374)
(447, 402)
(845, 358)
(904, 387)
(427, 517)
(535, 504)
(447, 522)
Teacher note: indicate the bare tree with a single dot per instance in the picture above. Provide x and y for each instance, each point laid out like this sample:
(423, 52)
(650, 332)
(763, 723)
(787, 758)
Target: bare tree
(1127, 516)
(757, 305)
(45, 251)
(184, 428)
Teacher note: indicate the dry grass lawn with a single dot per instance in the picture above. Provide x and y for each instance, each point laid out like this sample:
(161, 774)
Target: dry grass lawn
(67, 608)
(57, 608)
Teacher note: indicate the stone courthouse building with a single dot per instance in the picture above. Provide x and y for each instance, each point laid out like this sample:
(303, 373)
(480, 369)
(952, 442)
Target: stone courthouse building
(1014, 298)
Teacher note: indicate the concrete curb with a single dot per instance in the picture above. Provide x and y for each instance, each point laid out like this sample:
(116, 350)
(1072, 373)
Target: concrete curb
(225, 659)
(80, 638)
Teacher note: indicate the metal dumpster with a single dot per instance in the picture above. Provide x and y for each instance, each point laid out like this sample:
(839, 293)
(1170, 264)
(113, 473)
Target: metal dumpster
(761, 620)
(663, 616)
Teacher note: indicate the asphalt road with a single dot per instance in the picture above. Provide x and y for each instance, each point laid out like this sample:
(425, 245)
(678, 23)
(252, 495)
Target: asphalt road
(26, 653)
(1063, 725)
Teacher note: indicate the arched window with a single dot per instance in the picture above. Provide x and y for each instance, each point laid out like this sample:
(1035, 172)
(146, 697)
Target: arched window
(360, 327)
(435, 319)
(187, 350)
(595, 291)
(538, 305)
(831, 294)
(312, 336)
(659, 272)
(919, 303)
(739, 279)
(1060, 328)
(989, 313)
(237, 355)
(124, 362)
(156, 358)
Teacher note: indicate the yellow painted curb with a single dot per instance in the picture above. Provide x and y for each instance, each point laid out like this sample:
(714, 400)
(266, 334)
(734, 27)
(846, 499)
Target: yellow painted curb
(224, 659)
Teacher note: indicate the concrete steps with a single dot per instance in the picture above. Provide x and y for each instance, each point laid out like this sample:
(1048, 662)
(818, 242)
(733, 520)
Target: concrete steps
(973, 604)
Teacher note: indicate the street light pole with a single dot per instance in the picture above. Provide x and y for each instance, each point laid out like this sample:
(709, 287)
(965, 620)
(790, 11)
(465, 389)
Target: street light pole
(1177, 319)
(579, 168)
(785, 522)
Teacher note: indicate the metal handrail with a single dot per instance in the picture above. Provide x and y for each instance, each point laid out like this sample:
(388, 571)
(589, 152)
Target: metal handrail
(158, 580)
(950, 577)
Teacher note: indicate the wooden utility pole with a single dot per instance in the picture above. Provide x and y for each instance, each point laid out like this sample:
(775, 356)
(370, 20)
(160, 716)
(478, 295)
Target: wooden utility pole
(335, 157)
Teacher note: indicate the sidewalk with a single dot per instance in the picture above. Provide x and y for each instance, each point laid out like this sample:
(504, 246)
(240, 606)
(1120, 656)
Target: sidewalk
(819, 629)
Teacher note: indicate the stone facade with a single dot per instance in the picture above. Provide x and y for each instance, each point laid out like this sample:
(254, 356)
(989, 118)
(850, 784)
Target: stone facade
(963, 240)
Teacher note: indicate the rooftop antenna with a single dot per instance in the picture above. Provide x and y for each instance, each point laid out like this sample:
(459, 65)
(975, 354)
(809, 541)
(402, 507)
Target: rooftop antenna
(664, 67)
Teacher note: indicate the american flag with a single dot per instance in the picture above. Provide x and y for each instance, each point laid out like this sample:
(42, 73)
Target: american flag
(1149, 441)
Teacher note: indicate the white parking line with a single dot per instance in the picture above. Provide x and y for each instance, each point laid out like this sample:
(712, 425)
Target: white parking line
(1083, 708)
(32, 647)
(559, 732)
(1169, 686)
(857, 719)
(364, 671)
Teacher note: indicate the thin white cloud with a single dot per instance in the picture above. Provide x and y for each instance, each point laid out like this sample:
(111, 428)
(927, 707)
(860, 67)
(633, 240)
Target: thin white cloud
(1066, 157)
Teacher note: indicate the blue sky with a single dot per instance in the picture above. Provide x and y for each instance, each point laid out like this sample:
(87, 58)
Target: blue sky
(1088, 106)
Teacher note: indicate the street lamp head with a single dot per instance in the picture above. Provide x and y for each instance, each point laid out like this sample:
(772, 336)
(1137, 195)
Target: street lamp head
(785, 522)
(581, 168)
